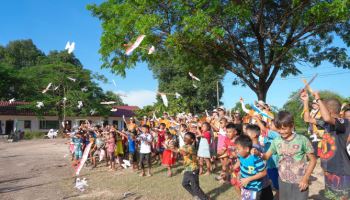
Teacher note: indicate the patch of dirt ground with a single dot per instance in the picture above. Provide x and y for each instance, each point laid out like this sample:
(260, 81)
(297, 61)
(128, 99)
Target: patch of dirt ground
(41, 169)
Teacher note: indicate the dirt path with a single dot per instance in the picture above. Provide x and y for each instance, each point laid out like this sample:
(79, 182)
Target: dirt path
(33, 169)
(37, 169)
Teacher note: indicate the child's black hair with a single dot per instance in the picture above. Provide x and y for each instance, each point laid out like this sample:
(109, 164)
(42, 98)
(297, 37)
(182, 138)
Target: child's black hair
(333, 105)
(145, 126)
(234, 126)
(162, 124)
(183, 126)
(254, 128)
(191, 135)
(284, 119)
(244, 141)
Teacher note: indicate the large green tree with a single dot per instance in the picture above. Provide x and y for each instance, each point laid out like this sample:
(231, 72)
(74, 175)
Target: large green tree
(257, 40)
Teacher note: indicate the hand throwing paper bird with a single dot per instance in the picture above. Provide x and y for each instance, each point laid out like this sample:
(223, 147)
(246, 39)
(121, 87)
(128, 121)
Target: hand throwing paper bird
(70, 47)
(137, 43)
(47, 88)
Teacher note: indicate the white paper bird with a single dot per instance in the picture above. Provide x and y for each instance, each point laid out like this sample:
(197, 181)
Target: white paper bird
(39, 104)
(64, 99)
(80, 104)
(108, 102)
(127, 163)
(63, 125)
(195, 86)
(92, 111)
(47, 88)
(348, 149)
(56, 88)
(70, 47)
(12, 100)
(52, 134)
(123, 117)
(114, 110)
(81, 184)
(151, 50)
(114, 83)
(102, 155)
(84, 89)
(165, 99)
(72, 79)
(137, 43)
(193, 77)
(177, 95)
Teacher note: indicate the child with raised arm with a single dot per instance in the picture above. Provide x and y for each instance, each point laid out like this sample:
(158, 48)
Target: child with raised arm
(293, 151)
(332, 148)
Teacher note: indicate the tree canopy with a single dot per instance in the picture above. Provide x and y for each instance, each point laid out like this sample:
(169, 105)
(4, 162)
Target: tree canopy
(255, 40)
(24, 78)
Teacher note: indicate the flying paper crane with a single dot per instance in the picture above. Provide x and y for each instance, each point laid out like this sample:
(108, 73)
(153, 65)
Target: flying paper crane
(72, 79)
(114, 110)
(64, 99)
(47, 88)
(193, 77)
(56, 87)
(177, 95)
(92, 111)
(12, 100)
(108, 102)
(39, 104)
(164, 98)
(84, 89)
(194, 85)
(151, 50)
(114, 83)
(70, 47)
(80, 104)
(137, 43)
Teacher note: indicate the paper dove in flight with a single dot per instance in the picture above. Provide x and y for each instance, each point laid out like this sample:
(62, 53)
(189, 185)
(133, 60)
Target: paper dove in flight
(72, 79)
(47, 88)
(195, 86)
(84, 89)
(193, 77)
(151, 50)
(70, 47)
(108, 102)
(137, 43)
(114, 83)
(39, 104)
(56, 87)
(64, 99)
(114, 110)
(177, 95)
(165, 99)
(92, 111)
(12, 100)
(80, 104)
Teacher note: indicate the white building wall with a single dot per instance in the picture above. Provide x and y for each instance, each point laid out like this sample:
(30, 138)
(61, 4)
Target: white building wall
(35, 121)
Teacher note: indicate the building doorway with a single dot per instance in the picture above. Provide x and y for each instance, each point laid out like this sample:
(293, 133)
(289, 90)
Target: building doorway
(9, 127)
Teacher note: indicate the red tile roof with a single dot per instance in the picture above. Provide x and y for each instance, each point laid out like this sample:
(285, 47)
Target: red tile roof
(127, 111)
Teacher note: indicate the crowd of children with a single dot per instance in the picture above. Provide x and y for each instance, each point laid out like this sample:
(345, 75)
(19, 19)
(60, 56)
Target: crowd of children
(260, 154)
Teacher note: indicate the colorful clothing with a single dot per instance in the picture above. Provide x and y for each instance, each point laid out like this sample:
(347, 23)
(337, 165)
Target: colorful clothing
(221, 139)
(190, 158)
(292, 157)
(251, 166)
(204, 149)
(168, 155)
(337, 186)
(265, 141)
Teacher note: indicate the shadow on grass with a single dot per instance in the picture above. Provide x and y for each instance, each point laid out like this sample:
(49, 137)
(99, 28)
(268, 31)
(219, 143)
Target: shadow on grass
(214, 193)
(14, 180)
(17, 188)
(319, 196)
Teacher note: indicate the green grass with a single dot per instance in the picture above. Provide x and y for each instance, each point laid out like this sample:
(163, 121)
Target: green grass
(104, 184)
(33, 135)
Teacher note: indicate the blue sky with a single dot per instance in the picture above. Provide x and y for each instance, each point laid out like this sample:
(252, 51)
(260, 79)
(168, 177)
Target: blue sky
(50, 24)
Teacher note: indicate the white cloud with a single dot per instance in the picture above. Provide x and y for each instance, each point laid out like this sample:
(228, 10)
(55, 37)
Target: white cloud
(138, 98)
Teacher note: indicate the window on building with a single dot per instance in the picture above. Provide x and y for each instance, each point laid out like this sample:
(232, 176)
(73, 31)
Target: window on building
(115, 123)
(27, 124)
(105, 122)
(48, 124)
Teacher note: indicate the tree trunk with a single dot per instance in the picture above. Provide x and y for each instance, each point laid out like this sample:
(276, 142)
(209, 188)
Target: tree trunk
(261, 93)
